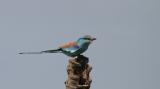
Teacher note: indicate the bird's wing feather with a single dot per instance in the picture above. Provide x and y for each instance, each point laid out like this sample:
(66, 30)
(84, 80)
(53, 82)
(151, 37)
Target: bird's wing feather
(68, 45)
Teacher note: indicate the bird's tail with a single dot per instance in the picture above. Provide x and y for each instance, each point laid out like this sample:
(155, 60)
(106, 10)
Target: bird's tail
(46, 51)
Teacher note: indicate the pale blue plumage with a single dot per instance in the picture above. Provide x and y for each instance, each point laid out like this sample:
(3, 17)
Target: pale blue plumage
(71, 49)
(80, 47)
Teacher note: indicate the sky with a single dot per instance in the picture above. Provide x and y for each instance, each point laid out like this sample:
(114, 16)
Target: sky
(124, 56)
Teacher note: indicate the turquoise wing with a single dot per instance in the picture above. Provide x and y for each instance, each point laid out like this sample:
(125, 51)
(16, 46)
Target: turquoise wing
(71, 51)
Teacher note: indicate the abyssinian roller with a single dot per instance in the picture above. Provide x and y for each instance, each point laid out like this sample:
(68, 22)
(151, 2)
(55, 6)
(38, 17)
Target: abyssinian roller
(71, 49)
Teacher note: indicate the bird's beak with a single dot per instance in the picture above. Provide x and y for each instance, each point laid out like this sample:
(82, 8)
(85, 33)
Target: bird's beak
(94, 39)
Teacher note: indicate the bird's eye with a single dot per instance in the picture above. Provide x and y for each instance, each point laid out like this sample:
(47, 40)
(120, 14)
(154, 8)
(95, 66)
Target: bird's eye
(86, 38)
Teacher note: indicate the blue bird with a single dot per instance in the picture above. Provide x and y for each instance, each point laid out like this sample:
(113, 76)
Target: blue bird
(71, 49)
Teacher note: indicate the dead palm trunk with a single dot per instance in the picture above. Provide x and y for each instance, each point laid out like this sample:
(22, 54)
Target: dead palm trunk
(78, 71)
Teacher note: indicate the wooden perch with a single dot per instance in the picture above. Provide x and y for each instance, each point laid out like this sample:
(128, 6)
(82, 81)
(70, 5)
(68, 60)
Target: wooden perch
(78, 71)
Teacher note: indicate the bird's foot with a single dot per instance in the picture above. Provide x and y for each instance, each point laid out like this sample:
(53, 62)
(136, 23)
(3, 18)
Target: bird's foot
(82, 59)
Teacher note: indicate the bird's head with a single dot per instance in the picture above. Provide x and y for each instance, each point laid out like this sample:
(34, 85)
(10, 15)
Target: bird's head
(87, 39)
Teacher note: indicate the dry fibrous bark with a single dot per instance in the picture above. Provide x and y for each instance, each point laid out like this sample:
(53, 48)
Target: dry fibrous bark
(78, 71)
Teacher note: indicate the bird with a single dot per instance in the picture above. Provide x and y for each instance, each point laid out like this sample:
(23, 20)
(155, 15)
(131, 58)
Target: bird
(71, 49)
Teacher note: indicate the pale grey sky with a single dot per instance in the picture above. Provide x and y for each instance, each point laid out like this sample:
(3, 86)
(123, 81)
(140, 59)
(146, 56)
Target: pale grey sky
(125, 56)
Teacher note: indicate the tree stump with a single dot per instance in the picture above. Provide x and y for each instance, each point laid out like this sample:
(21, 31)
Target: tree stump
(78, 71)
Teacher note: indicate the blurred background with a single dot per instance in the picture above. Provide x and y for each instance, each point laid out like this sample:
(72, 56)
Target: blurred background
(125, 56)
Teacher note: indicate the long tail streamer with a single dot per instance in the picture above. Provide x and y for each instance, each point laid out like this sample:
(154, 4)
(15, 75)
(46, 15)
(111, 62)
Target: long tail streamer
(47, 51)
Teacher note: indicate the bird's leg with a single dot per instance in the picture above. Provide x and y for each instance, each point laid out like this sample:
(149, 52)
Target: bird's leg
(82, 59)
